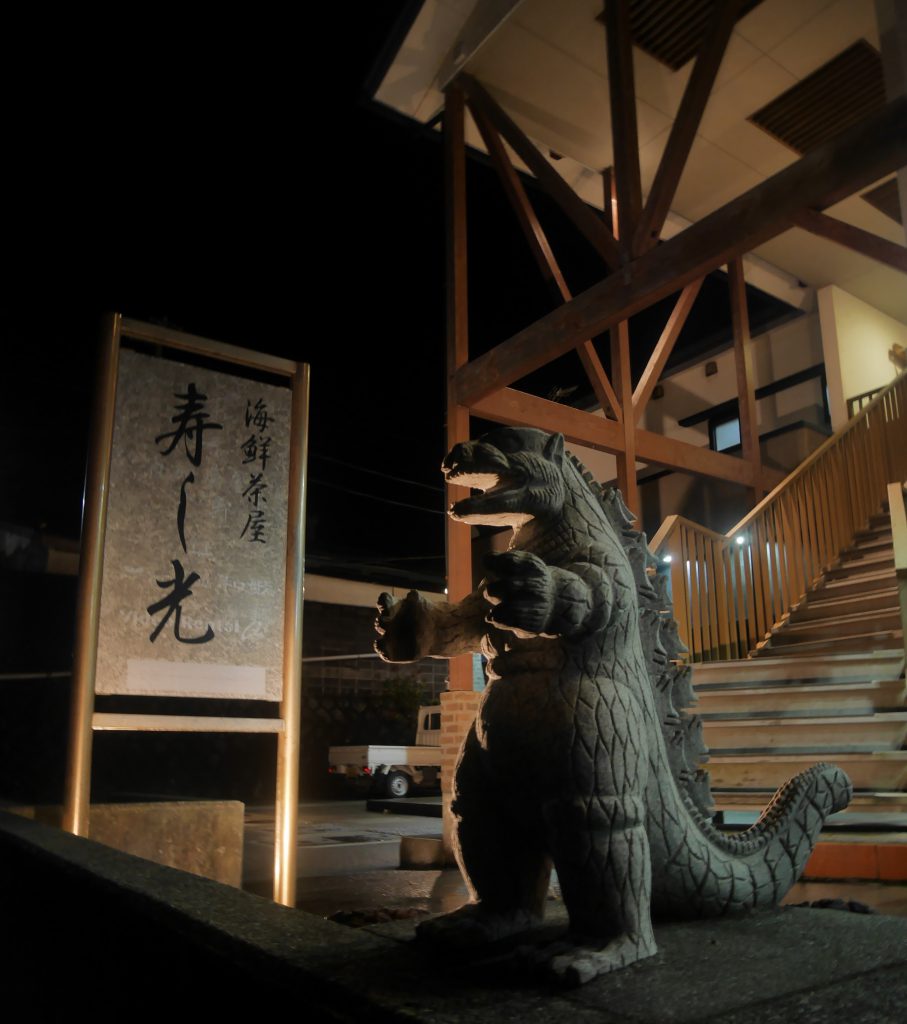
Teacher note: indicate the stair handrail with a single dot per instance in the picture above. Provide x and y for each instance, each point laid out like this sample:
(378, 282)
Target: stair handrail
(732, 590)
(898, 513)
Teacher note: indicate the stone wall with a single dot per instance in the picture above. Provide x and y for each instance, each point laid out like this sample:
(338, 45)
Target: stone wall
(458, 711)
(347, 632)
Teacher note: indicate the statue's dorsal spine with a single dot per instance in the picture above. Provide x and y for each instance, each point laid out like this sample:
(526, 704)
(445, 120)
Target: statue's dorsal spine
(668, 675)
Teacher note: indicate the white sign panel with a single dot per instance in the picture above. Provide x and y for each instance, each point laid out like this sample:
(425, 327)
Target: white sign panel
(195, 551)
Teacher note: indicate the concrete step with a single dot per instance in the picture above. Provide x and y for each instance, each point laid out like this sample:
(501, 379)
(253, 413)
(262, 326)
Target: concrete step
(878, 523)
(873, 856)
(861, 698)
(756, 800)
(872, 544)
(867, 583)
(860, 566)
(875, 641)
(822, 735)
(821, 667)
(873, 772)
(881, 620)
(815, 607)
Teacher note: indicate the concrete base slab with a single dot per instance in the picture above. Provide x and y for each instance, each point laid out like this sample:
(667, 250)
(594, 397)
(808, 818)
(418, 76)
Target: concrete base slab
(418, 852)
(162, 934)
(204, 837)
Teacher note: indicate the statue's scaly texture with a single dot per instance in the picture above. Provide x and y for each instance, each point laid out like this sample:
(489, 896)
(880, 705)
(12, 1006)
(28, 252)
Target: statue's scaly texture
(579, 754)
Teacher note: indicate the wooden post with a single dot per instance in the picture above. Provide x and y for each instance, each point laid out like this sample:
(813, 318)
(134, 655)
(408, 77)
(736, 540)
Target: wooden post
(624, 137)
(891, 20)
(743, 361)
(899, 543)
(623, 382)
(286, 805)
(76, 801)
(457, 535)
(459, 554)
(620, 370)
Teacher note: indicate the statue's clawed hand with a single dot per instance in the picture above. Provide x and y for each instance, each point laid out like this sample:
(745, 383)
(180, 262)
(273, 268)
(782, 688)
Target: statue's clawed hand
(522, 592)
(405, 628)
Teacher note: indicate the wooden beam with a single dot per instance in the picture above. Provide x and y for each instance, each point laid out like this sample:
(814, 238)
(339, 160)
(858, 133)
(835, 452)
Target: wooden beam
(609, 200)
(519, 409)
(624, 137)
(541, 250)
(689, 458)
(574, 207)
(626, 459)
(695, 96)
(598, 378)
(856, 158)
(864, 242)
(743, 363)
(664, 348)
(458, 546)
(519, 201)
(123, 722)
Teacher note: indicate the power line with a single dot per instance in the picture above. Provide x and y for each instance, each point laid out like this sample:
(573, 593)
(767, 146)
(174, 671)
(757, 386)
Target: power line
(375, 497)
(375, 472)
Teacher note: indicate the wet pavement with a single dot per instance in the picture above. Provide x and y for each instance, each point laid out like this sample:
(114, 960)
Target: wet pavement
(336, 837)
(349, 861)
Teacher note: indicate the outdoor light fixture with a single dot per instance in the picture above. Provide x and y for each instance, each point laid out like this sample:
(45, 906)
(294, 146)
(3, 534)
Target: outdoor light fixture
(740, 539)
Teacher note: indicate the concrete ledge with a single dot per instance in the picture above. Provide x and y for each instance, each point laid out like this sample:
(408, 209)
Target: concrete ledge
(866, 857)
(421, 852)
(141, 937)
(135, 930)
(201, 836)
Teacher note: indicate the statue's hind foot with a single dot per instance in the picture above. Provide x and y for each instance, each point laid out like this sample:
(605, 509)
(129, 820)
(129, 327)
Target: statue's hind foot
(573, 962)
(473, 925)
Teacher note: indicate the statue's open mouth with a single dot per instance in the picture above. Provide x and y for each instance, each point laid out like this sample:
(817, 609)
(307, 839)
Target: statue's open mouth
(492, 503)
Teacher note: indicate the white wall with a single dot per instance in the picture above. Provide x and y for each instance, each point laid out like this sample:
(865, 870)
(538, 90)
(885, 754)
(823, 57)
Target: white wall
(856, 338)
(789, 348)
(794, 346)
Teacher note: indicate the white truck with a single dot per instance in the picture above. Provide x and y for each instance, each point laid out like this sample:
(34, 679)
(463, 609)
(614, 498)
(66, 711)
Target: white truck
(394, 770)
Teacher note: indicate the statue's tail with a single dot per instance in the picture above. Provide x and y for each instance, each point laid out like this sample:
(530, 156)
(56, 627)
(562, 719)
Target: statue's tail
(698, 871)
(701, 872)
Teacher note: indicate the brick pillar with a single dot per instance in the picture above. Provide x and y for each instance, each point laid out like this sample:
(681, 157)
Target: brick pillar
(458, 711)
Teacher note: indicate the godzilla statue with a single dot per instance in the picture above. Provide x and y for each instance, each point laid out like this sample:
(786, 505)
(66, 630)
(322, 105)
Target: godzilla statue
(581, 754)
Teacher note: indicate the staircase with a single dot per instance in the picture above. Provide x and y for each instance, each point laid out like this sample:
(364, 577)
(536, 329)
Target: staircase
(854, 606)
(828, 684)
(793, 621)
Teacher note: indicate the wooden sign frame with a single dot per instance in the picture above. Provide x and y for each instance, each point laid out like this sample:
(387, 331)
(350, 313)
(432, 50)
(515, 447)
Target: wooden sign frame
(84, 719)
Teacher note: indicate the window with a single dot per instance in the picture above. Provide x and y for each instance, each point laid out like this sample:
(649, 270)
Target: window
(724, 433)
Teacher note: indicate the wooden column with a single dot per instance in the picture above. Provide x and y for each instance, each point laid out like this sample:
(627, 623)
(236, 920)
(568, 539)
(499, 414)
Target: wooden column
(743, 361)
(623, 383)
(621, 374)
(891, 18)
(459, 553)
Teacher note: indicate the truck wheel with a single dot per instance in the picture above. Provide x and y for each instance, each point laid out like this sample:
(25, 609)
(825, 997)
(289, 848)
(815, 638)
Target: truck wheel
(397, 784)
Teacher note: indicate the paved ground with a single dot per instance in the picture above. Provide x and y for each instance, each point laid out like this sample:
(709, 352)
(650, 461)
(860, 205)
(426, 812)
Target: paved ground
(349, 861)
(198, 940)
(336, 837)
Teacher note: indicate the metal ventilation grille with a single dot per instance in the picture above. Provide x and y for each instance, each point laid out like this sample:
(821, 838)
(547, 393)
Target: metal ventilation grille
(842, 92)
(885, 197)
(672, 31)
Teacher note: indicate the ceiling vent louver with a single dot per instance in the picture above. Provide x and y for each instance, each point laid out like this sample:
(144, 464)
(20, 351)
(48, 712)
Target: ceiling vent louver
(839, 94)
(672, 31)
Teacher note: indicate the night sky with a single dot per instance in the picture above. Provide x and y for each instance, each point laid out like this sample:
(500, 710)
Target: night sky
(220, 184)
(209, 177)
